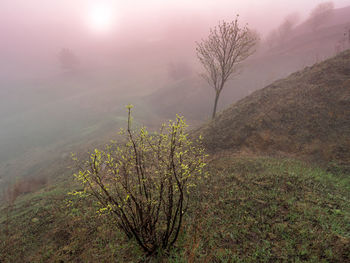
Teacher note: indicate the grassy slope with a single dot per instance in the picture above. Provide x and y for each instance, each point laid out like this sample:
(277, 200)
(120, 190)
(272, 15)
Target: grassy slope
(307, 114)
(249, 210)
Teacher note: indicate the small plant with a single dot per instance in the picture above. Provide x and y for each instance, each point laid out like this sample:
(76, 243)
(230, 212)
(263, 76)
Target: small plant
(145, 182)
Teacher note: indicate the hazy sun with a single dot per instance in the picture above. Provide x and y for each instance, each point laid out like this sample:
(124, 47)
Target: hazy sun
(101, 17)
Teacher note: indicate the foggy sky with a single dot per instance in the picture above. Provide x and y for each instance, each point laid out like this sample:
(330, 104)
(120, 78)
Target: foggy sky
(262, 14)
(32, 31)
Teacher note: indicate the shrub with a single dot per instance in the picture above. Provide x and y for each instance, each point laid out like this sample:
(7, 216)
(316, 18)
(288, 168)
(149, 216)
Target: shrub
(145, 182)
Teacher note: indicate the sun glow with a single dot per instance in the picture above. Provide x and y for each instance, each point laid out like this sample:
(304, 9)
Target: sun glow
(101, 17)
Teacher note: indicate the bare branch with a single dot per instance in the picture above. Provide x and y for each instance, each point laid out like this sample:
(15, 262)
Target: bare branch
(226, 47)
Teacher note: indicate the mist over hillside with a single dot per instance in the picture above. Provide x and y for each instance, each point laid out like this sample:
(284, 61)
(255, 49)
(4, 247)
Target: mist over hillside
(302, 47)
(306, 114)
(45, 108)
(254, 168)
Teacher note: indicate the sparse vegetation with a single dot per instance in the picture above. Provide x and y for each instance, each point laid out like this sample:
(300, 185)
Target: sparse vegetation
(144, 184)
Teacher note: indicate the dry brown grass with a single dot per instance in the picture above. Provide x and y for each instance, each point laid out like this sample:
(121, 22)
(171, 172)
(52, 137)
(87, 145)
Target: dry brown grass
(24, 186)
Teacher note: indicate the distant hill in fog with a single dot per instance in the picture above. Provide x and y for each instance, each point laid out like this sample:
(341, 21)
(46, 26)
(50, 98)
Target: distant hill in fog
(192, 97)
(338, 17)
(306, 114)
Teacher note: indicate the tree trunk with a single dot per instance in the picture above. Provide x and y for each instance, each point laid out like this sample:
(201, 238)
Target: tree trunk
(215, 104)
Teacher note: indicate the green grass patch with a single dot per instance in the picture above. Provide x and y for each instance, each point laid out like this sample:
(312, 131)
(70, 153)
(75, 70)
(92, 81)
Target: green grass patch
(248, 210)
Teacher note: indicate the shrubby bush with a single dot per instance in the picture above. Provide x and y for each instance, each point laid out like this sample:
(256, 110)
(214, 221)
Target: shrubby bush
(144, 183)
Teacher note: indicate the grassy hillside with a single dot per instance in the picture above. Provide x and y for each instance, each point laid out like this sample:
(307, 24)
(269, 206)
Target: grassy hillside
(43, 117)
(250, 209)
(306, 114)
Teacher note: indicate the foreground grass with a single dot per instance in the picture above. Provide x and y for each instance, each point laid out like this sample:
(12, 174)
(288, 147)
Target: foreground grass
(266, 210)
(248, 210)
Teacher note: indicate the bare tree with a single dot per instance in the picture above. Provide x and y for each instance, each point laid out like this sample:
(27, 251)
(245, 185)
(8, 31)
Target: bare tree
(226, 47)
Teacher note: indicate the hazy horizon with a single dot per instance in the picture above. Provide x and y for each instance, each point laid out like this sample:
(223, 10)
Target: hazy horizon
(33, 31)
